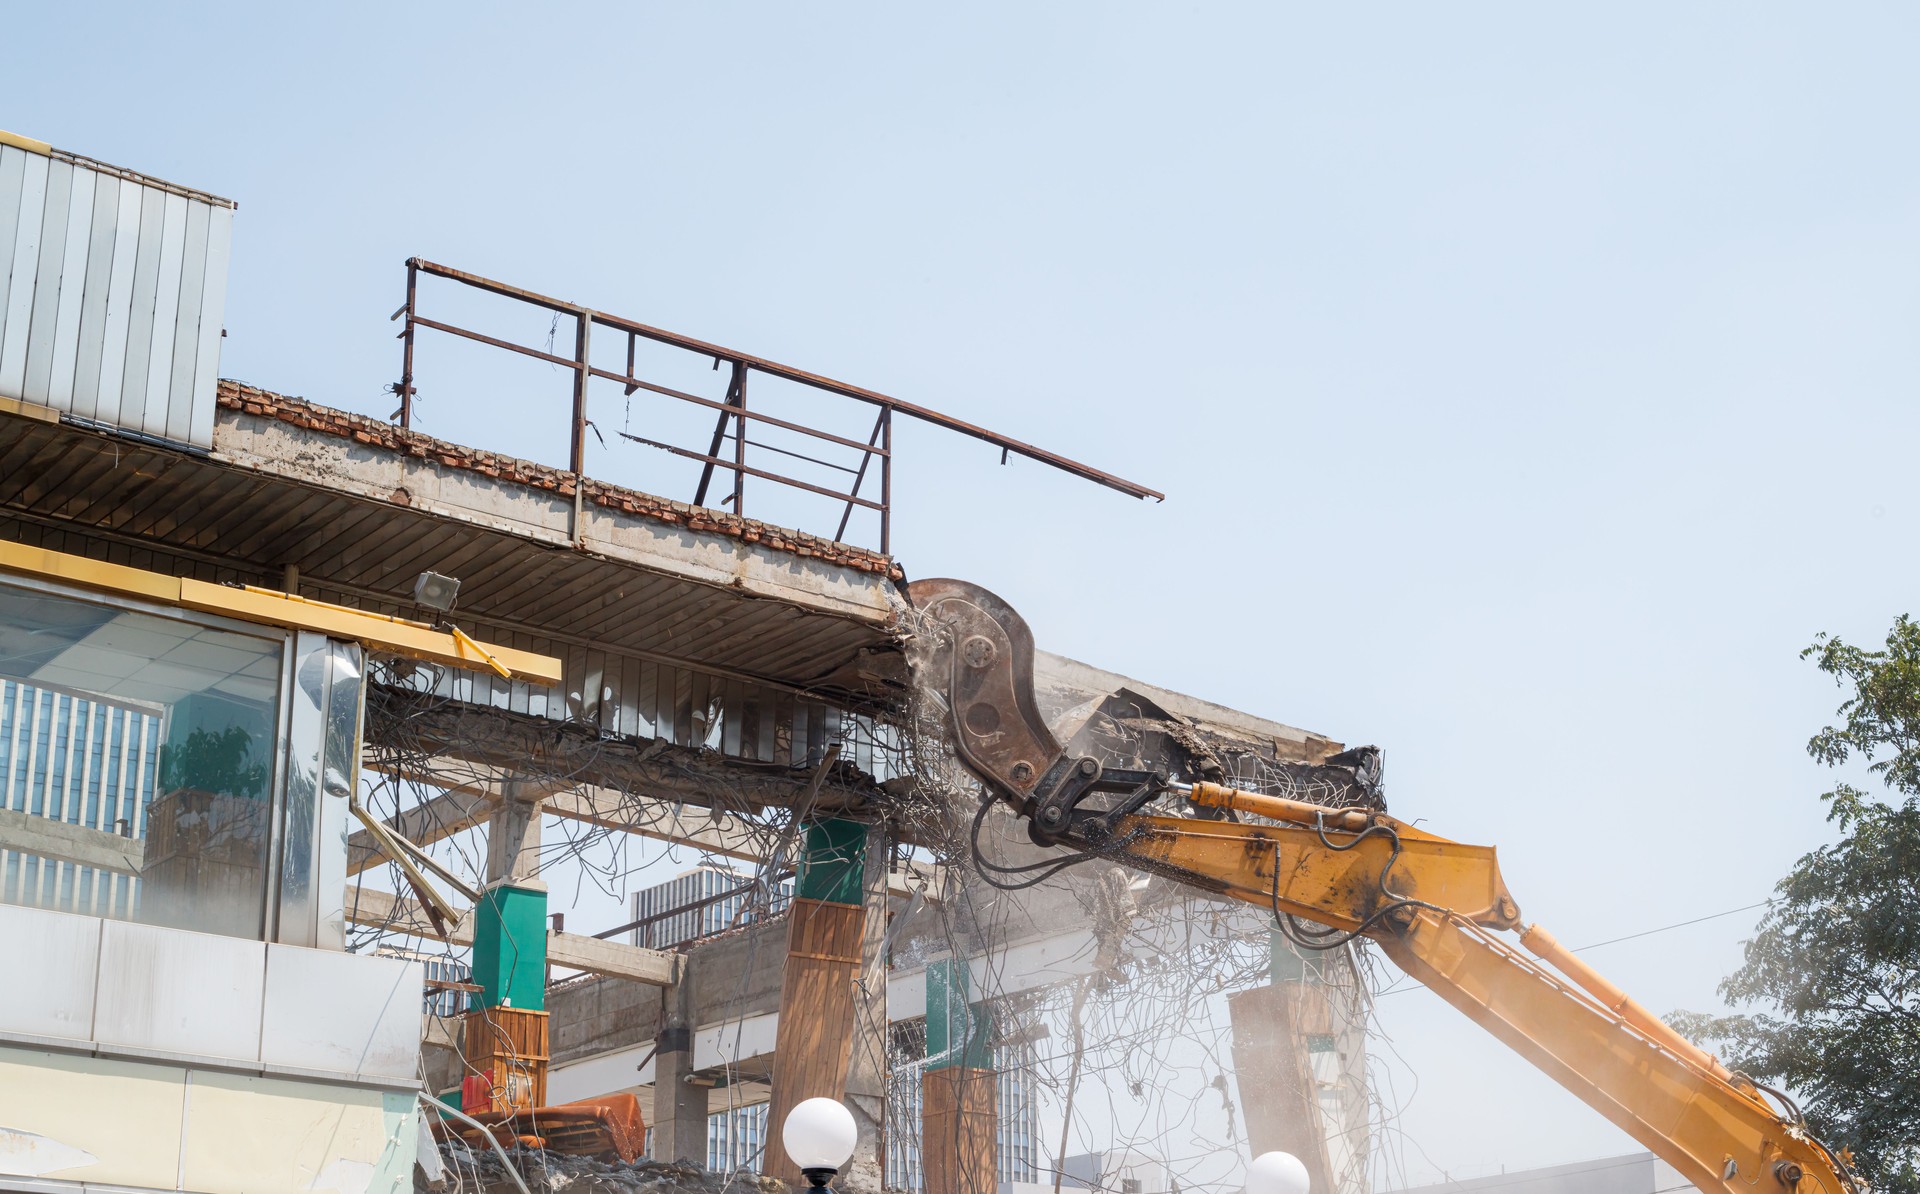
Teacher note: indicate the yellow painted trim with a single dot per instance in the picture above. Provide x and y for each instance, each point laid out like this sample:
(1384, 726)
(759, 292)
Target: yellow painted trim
(28, 410)
(26, 143)
(89, 574)
(400, 636)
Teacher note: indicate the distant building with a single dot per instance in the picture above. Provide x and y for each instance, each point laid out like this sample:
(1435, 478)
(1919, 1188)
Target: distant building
(82, 761)
(701, 902)
(1634, 1173)
(737, 1139)
(1118, 1171)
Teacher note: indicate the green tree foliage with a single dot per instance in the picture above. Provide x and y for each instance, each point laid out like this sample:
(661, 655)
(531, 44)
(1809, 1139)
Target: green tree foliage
(1835, 964)
(217, 761)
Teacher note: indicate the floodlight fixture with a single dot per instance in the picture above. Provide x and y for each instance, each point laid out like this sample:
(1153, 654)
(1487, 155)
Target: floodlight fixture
(435, 592)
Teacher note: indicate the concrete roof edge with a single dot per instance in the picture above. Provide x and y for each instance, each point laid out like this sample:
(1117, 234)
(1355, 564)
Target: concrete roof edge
(369, 432)
(1063, 674)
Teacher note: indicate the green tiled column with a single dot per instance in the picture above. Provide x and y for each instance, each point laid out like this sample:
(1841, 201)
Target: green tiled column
(510, 947)
(830, 869)
(959, 1033)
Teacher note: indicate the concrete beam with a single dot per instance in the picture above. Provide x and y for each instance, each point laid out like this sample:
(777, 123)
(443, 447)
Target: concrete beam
(616, 959)
(532, 744)
(76, 844)
(473, 787)
(423, 824)
(1065, 689)
(701, 828)
(311, 444)
(399, 914)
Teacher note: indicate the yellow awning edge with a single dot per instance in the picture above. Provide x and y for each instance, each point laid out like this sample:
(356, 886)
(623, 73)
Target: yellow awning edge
(379, 632)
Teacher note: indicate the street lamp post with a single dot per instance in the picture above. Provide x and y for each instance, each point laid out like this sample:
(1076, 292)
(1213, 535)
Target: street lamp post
(820, 1136)
(1275, 1173)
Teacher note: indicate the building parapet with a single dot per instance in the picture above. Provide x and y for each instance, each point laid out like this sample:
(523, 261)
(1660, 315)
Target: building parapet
(373, 433)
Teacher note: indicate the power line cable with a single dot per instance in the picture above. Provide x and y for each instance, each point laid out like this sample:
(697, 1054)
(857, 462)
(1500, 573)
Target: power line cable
(1395, 990)
(1664, 928)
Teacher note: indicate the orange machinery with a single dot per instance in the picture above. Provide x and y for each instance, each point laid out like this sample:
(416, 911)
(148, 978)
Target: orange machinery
(1437, 908)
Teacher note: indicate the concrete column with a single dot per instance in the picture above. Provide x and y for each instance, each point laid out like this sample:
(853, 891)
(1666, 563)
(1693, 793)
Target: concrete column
(959, 1108)
(679, 1119)
(510, 922)
(1273, 1027)
(819, 1014)
(513, 836)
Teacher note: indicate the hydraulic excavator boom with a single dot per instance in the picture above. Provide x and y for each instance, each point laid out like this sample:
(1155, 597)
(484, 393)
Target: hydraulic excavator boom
(1437, 908)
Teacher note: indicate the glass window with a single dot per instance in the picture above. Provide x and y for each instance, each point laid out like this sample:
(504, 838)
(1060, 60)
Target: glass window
(141, 763)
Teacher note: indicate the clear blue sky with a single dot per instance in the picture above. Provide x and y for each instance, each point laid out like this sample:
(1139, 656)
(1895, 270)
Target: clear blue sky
(1529, 384)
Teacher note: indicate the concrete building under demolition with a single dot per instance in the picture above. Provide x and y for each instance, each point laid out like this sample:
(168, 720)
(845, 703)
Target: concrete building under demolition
(301, 709)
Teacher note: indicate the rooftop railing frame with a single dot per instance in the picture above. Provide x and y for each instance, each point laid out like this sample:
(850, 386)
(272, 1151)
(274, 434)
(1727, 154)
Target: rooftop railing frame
(733, 414)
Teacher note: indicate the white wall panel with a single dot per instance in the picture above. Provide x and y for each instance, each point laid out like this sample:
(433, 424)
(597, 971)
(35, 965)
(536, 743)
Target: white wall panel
(179, 993)
(59, 956)
(112, 294)
(146, 991)
(342, 1013)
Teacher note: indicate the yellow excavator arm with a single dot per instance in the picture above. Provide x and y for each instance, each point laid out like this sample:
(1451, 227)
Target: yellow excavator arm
(1439, 909)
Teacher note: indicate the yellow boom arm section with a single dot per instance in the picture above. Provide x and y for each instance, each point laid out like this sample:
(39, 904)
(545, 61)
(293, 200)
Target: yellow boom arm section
(1435, 907)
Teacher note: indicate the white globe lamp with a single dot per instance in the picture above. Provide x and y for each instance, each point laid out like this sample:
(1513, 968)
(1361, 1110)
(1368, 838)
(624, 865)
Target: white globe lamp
(1277, 1173)
(820, 1136)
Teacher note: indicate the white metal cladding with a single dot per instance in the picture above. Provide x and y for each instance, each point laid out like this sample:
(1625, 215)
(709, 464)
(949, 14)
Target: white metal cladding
(112, 290)
(628, 697)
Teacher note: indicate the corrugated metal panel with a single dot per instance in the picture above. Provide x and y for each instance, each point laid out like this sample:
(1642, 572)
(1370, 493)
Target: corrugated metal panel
(22, 265)
(66, 331)
(112, 292)
(113, 346)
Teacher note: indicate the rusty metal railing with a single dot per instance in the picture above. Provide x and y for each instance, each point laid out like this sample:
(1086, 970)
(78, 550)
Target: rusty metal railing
(733, 414)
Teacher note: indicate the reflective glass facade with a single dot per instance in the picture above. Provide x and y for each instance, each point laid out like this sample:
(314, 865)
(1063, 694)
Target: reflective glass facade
(80, 761)
(174, 768)
(737, 1139)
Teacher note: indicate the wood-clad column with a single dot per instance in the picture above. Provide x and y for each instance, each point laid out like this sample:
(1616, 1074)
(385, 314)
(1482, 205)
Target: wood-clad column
(818, 1007)
(1272, 1030)
(959, 1094)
